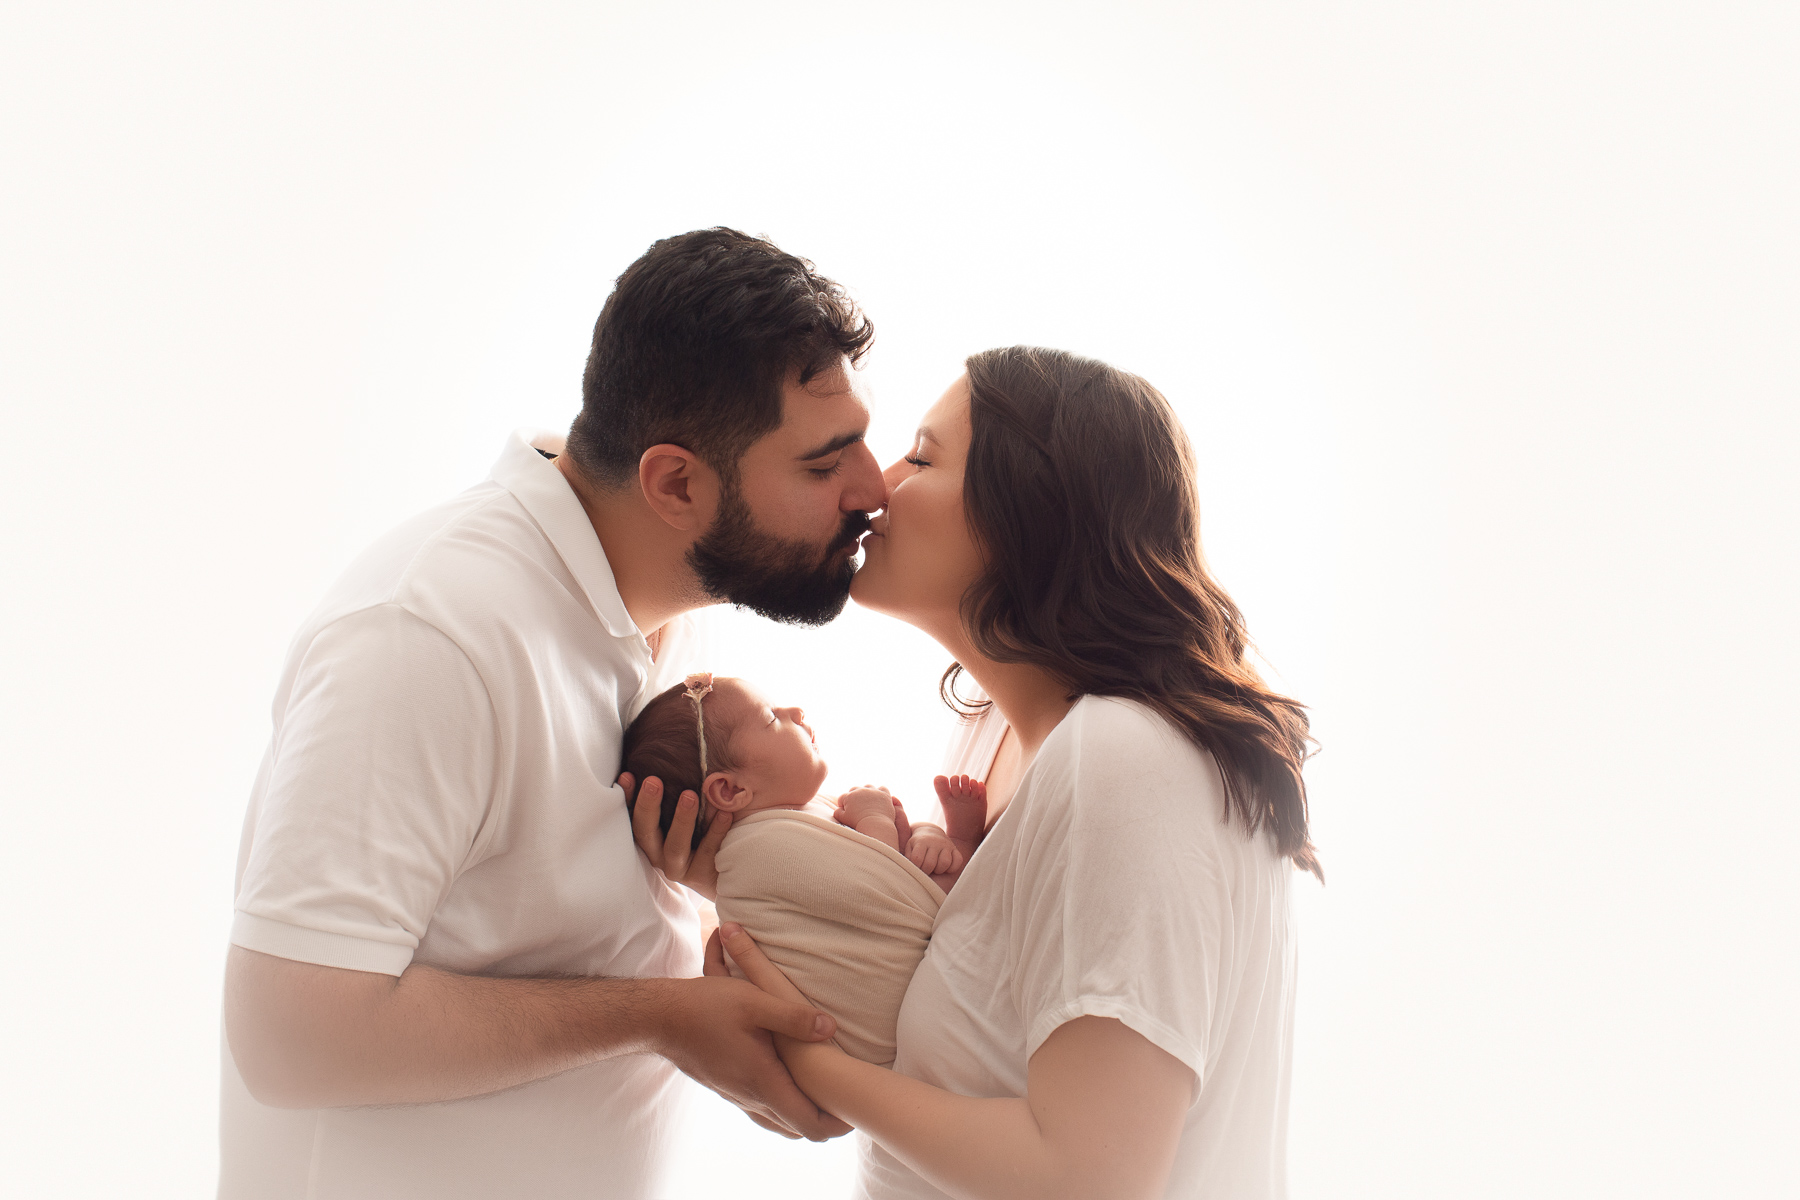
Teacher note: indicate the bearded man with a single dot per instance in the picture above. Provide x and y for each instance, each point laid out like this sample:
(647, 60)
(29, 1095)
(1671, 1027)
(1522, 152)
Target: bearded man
(452, 973)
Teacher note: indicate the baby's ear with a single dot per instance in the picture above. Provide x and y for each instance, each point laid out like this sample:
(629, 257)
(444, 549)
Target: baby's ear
(722, 792)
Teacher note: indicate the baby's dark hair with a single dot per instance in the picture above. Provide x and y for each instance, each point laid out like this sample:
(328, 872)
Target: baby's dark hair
(664, 741)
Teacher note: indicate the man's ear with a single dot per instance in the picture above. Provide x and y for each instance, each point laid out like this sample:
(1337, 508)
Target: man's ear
(723, 793)
(679, 488)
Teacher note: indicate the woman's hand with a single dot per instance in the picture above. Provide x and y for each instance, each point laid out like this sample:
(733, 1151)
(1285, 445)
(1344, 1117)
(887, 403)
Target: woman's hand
(757, 968)
(675, 855)
(731, 938)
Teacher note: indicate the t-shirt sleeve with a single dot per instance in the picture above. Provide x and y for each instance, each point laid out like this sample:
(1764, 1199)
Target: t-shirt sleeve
(1122, 899)
(381, 776)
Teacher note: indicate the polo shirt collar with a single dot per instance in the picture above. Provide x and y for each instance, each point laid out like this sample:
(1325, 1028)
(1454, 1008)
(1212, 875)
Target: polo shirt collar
(552, 503)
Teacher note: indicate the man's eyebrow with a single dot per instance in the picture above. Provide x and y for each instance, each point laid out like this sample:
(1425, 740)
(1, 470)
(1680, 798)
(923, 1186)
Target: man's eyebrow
(832, 447)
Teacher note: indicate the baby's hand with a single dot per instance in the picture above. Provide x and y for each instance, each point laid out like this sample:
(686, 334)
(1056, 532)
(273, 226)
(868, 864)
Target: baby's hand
(932, 852)
(859, 804)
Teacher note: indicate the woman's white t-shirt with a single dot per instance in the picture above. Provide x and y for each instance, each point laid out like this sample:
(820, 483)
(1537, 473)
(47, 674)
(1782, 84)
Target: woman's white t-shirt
(1111, 886)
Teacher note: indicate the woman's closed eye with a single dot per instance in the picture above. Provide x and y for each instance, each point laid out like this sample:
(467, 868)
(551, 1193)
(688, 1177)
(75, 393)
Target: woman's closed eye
(916, 461)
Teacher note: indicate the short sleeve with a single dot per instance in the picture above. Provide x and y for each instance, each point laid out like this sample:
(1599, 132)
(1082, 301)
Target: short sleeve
(381, 776)
(1121, 900)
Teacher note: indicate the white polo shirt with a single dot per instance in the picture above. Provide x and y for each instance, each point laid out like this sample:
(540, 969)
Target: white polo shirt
(439, 788)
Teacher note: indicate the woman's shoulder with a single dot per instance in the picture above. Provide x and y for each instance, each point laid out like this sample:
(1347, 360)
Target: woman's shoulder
(1109, 746)
(1114, 726)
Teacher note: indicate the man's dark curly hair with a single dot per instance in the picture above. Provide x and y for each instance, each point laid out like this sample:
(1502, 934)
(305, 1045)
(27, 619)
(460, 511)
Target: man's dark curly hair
(693, 348)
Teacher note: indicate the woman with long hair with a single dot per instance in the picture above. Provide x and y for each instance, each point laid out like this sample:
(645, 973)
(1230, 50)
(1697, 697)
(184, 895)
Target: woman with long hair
(1105, 1008)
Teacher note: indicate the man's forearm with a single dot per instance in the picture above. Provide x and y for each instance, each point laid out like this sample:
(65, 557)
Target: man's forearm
(306, 1036)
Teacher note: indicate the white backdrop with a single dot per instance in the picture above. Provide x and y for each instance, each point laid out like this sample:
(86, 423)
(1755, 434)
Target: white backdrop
(1482, 318)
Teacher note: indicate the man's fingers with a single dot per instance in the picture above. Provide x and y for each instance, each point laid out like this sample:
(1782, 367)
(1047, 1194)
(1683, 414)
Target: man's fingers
(771, 1126)
(646, 815)
(794, 1110)
(678, 845)
(788, 1011)
(715, 957)
(797, 1019)
(823, 1127)
(709, 845)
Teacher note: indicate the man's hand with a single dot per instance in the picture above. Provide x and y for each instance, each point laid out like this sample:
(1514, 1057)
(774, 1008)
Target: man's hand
(720, 1032)
(675, 855)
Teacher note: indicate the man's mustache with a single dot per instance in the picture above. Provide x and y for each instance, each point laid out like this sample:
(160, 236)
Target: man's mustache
(855, 525)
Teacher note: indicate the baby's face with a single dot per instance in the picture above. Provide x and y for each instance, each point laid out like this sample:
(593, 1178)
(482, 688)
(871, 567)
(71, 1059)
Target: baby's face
(772, 746)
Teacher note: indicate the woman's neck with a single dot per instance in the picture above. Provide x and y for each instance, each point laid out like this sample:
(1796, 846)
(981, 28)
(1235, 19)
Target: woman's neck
(1032, 700)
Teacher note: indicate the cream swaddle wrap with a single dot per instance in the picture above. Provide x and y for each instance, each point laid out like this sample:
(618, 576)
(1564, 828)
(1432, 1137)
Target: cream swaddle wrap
(847, 917)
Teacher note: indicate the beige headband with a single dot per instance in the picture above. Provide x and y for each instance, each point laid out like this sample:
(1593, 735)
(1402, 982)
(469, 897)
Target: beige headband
(698, 684)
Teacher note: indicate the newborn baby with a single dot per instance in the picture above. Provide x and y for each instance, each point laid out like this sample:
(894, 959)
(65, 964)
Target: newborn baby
(838, 893)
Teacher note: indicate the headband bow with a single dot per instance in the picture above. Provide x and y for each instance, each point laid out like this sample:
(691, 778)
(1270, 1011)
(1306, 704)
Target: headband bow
(698, 684)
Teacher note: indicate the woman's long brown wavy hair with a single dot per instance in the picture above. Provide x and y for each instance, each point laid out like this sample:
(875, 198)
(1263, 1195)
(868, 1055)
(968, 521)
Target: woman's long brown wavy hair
(1080, 488)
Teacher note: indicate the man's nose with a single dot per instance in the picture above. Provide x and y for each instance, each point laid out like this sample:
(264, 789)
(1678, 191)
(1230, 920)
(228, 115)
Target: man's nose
(867, 489)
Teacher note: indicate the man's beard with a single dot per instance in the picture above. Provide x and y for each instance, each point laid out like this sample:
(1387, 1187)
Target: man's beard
(781, 579)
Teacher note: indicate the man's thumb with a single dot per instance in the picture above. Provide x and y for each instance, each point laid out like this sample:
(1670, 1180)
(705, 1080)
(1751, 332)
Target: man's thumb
(796, 1021)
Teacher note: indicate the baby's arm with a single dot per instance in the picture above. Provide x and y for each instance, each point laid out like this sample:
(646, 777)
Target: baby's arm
(870, 811)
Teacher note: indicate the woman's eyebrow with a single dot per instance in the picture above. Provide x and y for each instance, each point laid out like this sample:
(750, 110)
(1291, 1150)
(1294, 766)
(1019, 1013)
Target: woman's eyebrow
(925, 434)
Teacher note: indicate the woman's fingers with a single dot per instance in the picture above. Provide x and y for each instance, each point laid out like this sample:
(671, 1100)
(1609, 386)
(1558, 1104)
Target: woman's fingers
(766, 975)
